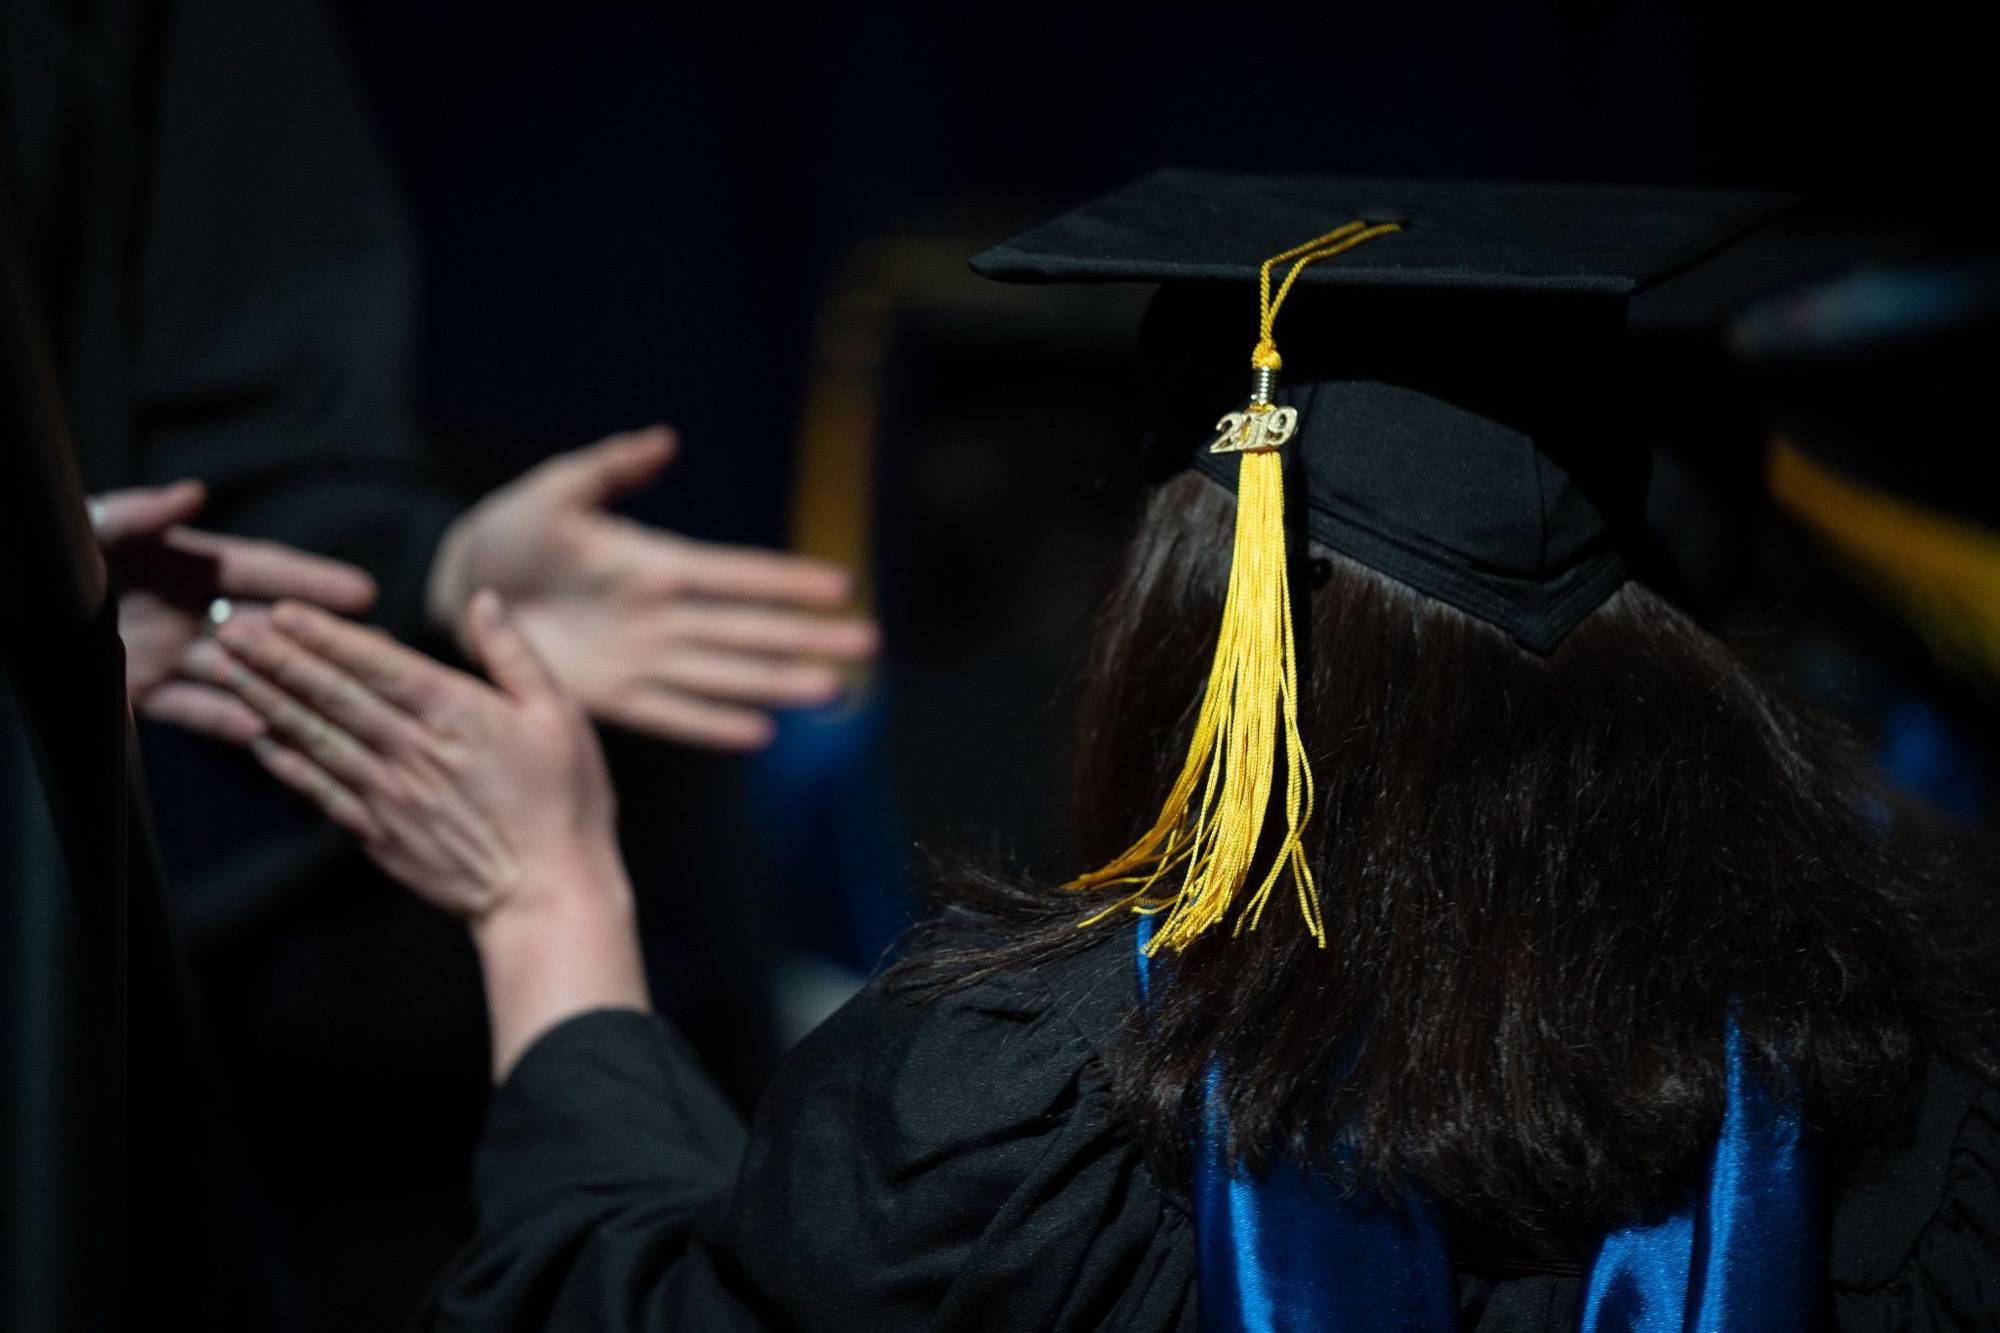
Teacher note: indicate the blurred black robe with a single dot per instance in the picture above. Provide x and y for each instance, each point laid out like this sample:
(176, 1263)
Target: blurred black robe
(230, 283)
(958, 1165)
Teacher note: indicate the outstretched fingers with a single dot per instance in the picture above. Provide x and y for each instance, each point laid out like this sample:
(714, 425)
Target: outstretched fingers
(776, 631)
(401, 676)
(312, 685)
(297, 771)
(672, 715)
(745, 678)
(597, 474)
(266, 571)
(144, 511)
(744, 573)
(203, 709)
(289, 722)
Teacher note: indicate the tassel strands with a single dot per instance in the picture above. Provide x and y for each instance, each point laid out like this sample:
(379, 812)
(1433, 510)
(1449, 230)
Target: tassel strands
(1249, 711)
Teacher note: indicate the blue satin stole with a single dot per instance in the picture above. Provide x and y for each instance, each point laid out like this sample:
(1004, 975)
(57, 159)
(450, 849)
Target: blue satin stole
(1286, 1252)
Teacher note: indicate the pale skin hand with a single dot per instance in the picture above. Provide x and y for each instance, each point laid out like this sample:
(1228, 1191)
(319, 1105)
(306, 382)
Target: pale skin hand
(684, 640)
(168, 574)
(491, 803)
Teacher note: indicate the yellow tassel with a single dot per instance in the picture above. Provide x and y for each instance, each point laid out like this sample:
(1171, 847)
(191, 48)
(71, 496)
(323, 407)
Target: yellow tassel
(1248, 725)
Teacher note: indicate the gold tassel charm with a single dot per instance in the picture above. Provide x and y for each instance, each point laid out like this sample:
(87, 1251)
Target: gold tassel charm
(1255, 431)
(1209, 830)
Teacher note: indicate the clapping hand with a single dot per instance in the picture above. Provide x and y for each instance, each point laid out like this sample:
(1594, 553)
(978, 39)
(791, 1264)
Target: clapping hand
(685, 640)
(491, 802)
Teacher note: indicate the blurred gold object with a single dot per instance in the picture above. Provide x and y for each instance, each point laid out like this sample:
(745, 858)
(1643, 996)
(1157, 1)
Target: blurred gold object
(1939, 571)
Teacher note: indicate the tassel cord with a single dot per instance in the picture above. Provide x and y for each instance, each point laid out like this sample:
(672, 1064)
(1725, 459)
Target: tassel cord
(1248, 721)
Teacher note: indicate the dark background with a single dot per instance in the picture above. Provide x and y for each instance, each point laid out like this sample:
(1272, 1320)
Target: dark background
(751, 223)
(640, 212)
(625, 206)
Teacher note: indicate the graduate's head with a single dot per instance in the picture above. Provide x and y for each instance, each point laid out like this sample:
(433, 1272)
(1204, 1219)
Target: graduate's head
(1543, 880)
(1541, 829)
(1436, 390)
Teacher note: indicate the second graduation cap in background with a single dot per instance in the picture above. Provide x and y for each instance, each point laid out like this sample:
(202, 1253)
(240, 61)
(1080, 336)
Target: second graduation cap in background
(1452, 392)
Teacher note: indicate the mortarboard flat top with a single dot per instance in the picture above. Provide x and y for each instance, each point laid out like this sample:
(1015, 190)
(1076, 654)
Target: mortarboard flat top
(1475, 448)
(1179, 225)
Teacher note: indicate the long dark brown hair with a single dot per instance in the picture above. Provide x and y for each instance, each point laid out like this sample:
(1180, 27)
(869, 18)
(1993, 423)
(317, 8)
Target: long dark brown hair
(1546, 882)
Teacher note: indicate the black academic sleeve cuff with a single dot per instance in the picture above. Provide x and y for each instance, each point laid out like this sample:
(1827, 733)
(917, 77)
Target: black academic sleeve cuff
(604, 1102)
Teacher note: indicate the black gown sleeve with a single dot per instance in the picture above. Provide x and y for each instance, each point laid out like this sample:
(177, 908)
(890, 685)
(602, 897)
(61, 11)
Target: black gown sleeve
(1916, 1232)
(949, 1164)
(600, 1150)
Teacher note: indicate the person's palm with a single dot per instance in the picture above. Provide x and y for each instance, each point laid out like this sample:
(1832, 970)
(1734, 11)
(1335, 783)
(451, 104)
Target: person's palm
(685, 640)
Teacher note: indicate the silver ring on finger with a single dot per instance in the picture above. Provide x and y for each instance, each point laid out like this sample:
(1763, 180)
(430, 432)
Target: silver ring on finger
(217, 615)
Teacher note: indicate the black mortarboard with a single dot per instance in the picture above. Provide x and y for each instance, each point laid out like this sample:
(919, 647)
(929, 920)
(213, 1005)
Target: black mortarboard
(1453, 394)
(1462, 423)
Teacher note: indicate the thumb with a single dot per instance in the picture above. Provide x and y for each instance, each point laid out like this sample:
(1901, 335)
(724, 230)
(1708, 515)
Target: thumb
(146, 511)
(505, 652)
(597, 474)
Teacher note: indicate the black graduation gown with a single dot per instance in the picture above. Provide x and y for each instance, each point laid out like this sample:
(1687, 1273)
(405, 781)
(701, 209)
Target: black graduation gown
(956, 1164)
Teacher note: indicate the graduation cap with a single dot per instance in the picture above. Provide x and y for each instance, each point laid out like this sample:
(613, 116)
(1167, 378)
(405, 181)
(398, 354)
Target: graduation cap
(1452, 396)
